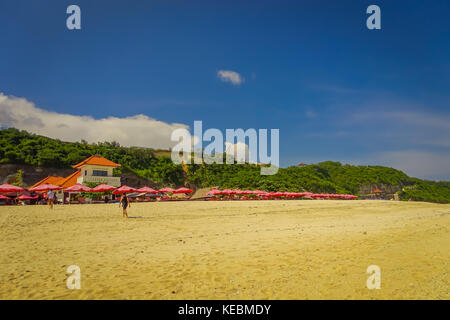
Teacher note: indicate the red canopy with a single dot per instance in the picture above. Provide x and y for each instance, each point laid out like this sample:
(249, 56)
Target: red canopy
(146, 189)
(183, 190)
(2, 197)
(45, 187)
(24, 197)
(277, 194)
(226, 191)
(103, 188)
(166, 190)
(124, 189)
(214, 192)
(5, 188)
(78, 188)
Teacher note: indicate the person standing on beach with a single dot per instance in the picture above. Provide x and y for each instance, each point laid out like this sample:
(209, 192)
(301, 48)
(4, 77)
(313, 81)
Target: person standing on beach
(124, 202)
(50, 198)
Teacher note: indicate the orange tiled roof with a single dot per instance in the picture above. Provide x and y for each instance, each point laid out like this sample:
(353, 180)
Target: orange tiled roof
(70, 180)
(96, 160)
(50, 179)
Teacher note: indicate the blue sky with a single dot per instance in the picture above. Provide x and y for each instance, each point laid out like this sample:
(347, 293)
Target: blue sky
(336, 90)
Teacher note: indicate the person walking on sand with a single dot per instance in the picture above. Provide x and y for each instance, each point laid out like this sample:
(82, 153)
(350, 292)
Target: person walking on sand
(124, 202)
(50, 198)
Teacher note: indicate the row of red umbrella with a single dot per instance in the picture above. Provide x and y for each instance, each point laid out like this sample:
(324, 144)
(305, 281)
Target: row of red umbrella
(215, 192)
(7, 188)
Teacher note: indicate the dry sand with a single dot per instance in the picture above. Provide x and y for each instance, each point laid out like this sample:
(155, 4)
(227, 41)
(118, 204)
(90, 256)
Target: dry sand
(227, 250)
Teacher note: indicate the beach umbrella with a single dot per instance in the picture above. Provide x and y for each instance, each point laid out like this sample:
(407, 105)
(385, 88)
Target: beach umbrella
(2, 197)
(166, 190)
(215, 192)
(146, 189)
(237, 191)
(183, 190)
(103, 188)
(78, 188)
(227, 191)
(124, 189)
(6, 188)
(45, 187)
(24, 197)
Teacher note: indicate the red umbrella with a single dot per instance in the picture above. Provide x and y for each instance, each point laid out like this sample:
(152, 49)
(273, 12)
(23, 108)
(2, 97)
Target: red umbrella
(298, 194)
(24, 197)
(103, 188)
(183, 190)
(277, 194)
(226, 191)
(78, 188)
(146, 190)
(124, 189)
(5, 188)
(166, 190)
(214, 192)
(2, 197)
(45, 187)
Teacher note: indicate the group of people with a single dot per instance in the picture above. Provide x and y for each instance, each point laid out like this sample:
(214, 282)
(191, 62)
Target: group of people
(124, 202)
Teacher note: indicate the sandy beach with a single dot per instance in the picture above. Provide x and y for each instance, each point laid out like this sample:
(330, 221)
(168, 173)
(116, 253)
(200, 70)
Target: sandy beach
(227, 250)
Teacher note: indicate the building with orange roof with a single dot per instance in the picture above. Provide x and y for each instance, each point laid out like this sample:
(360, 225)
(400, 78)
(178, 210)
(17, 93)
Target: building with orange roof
(93, 169)
(70, 180)
(97, 169)
(50, 179)
(96, 160)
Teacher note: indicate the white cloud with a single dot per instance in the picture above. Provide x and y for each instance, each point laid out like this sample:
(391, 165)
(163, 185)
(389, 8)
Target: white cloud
(138, 130)
(230, 76)
(239, 150)
(431, 165)
(418, 163)
(411, 126)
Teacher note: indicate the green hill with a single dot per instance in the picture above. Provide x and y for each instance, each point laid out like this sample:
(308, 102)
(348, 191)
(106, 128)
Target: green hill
(21, 147)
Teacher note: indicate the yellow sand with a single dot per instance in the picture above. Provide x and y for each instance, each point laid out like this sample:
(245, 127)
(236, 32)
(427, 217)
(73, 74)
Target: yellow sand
(227, 250)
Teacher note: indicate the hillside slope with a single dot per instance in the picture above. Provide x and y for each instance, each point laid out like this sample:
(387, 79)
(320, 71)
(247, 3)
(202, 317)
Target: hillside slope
(20, 147)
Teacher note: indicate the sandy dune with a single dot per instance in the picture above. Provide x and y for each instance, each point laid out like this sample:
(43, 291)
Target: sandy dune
(227, 250)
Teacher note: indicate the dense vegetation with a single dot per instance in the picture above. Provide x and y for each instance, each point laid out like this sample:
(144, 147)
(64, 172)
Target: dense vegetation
(21, 147)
